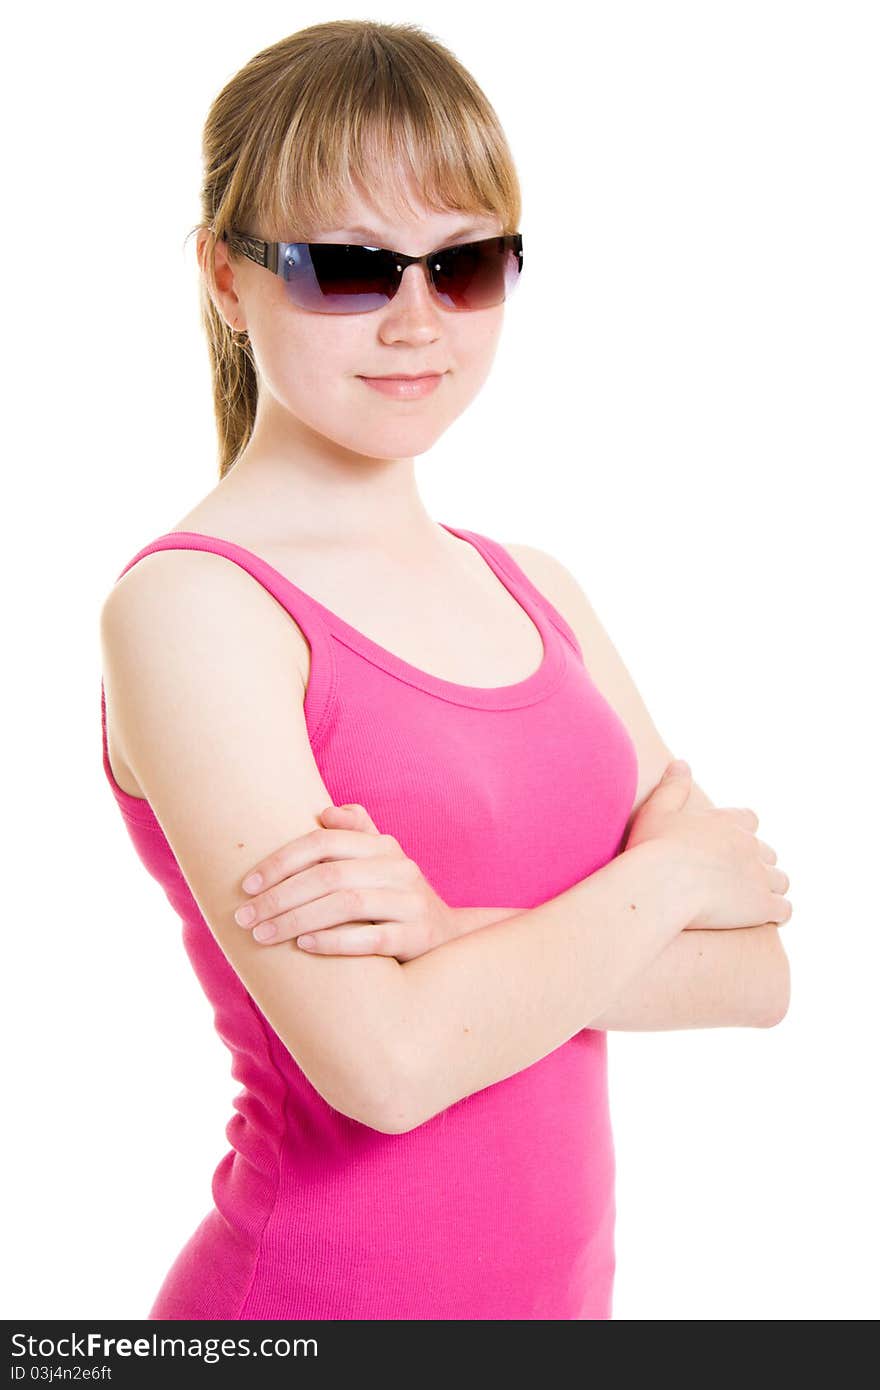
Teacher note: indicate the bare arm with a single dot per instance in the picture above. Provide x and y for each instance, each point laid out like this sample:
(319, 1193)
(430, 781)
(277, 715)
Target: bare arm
(484, 1006)
(706, 979)
(201, 681)
(702, 979)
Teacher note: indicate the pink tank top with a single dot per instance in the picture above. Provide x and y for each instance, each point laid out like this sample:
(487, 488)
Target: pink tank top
(502, 1206)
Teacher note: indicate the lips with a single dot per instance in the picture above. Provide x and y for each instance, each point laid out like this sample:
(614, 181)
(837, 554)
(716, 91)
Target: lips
(404, 388)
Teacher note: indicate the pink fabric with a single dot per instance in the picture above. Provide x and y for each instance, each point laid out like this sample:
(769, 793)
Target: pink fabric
(502, 1206)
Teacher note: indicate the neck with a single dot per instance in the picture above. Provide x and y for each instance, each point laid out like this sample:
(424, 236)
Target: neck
(314, 490)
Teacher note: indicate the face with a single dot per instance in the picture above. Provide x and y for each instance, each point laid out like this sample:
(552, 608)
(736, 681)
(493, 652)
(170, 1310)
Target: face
(310, 365)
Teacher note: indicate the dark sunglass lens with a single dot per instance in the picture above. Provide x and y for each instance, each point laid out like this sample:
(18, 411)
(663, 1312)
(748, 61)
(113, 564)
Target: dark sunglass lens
(328, 278)
(332, 279)
(478, 275)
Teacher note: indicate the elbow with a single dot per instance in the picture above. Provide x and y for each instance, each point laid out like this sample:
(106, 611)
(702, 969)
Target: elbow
(401, 1104)
(394, 1119)
(382, 1102)
(780, 991)
(370, 1075)
(776, 1014)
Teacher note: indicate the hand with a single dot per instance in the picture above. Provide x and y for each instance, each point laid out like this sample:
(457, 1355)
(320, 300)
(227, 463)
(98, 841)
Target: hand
(738, 885)
(353, 888)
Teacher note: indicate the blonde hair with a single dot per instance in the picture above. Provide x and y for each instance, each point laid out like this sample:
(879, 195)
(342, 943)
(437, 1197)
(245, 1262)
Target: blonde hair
(290, 135)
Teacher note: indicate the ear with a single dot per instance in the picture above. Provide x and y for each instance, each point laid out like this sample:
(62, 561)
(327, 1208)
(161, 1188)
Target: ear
(223, 291)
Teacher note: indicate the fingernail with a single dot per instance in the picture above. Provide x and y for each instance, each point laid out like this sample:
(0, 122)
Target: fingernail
(245, 915)
(253, 883)
(306, 941)
(265, 931)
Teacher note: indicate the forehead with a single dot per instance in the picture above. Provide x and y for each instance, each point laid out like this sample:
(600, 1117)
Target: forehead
(371, 236)
(368, 223)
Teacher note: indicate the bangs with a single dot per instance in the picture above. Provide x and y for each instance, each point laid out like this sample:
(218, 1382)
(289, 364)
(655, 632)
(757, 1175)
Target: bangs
(368, 124)
(341, 112)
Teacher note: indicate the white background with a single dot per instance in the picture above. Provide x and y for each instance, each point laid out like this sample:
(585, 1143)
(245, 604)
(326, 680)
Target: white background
(683, 410)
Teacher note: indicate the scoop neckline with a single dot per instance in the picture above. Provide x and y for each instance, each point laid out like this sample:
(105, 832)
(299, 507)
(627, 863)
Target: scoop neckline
(533, 687)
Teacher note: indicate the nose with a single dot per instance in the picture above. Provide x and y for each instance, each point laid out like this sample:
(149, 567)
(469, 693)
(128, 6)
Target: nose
(414, 294)
(413, 314)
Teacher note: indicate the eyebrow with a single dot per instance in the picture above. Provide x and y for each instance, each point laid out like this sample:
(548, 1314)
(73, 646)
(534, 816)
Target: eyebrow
(376, 239)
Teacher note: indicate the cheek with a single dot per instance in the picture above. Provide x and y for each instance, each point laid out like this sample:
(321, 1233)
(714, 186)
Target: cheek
(303, 361)
(474, 336)
(309, 364)
(474, 343)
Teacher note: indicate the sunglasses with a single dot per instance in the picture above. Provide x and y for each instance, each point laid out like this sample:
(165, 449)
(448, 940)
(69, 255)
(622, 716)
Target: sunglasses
(333, 278)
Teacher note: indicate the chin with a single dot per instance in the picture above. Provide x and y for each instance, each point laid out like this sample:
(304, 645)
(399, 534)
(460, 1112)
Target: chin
(402, 446)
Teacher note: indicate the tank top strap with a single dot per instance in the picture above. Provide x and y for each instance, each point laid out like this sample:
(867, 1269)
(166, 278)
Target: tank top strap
(305, 611)
(515, 571)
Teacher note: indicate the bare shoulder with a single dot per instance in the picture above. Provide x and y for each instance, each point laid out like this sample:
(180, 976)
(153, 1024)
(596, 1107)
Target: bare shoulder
(555, 580)
(199, 670)
(603, 660)
(156, 576)
(190, 605)
(228, 599)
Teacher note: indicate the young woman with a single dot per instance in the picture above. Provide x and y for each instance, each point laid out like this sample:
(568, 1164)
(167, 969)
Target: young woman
(420, 738)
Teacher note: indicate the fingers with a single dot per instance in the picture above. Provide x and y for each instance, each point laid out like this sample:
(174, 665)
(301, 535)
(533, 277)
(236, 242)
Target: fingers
(781, 910)
(310, 849)
(403, 937)
(353, 817)
(744, 816)
(317, 881)
(768, 853)
(354, 939)
(372, 914)
(779, 884)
